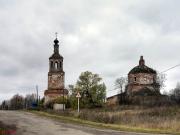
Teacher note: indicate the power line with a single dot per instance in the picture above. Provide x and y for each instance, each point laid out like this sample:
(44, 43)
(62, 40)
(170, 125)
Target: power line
(160, 72)
(170, 68)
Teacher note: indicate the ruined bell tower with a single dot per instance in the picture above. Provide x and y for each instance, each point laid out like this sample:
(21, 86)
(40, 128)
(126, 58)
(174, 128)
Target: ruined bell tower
(56, 75)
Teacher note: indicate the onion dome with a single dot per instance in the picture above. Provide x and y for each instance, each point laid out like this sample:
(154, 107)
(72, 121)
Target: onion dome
(56, 54)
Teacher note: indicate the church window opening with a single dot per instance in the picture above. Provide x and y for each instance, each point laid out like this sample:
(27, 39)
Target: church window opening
(60, 65)
(135, 79)
(56, 65)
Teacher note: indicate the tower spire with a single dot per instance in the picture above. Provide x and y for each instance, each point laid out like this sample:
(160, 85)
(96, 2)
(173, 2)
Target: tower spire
(56, 45)
(56, 34)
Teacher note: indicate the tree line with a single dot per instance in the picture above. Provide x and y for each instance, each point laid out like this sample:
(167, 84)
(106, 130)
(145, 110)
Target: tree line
(92, 90)
(90, 86)
(20, 102)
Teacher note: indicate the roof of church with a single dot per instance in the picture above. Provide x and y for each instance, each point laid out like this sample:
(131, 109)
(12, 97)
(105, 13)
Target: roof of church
(142, 68)
(56, 56)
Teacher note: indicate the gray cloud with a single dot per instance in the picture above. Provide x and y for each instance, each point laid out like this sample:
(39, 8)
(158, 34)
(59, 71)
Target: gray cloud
(105, 37)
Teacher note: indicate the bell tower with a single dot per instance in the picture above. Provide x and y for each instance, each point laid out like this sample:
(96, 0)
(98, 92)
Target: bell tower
(56, 75)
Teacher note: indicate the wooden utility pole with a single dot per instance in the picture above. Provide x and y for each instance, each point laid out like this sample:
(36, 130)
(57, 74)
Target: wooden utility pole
(37, 93)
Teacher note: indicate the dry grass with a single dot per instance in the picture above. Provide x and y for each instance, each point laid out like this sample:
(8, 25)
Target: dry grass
(164, 118)
(156, 119)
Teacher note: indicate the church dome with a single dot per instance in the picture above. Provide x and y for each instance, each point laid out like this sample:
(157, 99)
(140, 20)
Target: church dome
(56, 41)
(142, 68)
(56, 54)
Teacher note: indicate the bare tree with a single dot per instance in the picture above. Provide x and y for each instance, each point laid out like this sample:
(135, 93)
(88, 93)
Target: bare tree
(120, 84)
(29, 100)
(17, 102)
(175, 93)
(161, 79)
(5, 105)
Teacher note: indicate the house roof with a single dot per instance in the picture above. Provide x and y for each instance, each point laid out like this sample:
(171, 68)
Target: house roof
(115, 95)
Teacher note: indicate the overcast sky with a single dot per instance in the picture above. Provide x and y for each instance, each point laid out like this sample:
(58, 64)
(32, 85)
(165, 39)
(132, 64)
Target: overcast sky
(103, 36)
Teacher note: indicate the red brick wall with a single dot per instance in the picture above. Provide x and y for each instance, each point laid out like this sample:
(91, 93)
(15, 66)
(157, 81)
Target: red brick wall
(142, 80)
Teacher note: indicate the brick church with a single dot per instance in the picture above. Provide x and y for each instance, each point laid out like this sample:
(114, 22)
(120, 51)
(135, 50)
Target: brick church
(141, 82)
(56, 75)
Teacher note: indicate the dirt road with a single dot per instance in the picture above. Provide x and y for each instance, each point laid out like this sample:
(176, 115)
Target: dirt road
(31, 124)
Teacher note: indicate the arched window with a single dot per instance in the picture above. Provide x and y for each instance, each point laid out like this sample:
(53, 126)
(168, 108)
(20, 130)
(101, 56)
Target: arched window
(60, 64)
(135, 79)
(56, 65)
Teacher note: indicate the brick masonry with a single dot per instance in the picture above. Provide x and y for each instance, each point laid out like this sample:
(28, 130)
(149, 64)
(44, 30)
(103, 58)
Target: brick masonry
(56, 76)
